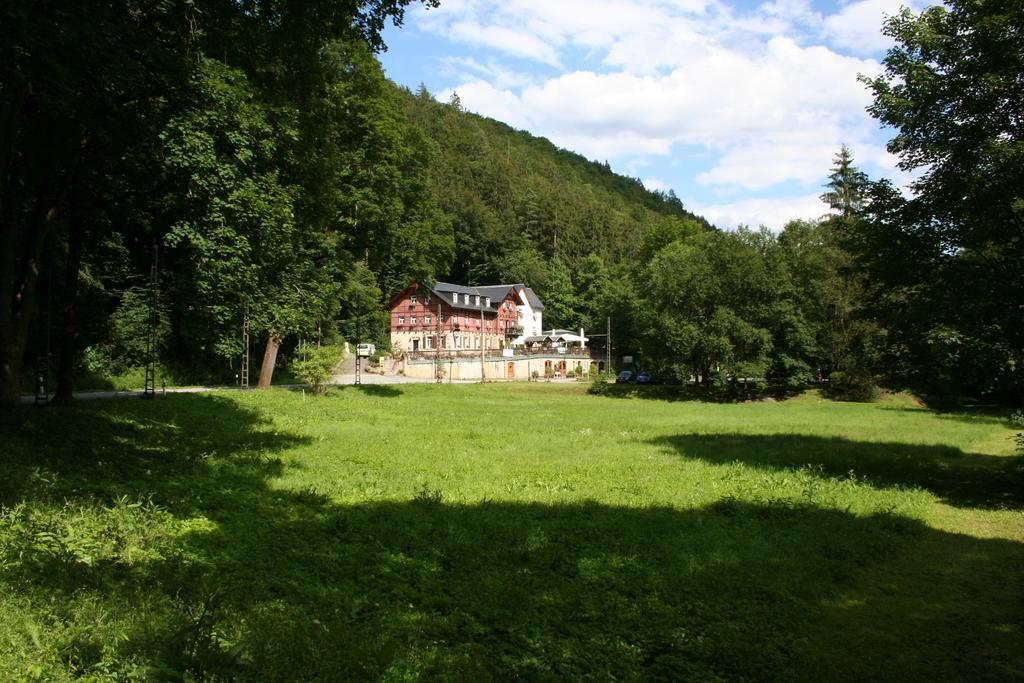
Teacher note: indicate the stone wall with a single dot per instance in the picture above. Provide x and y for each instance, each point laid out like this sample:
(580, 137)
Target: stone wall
(496, 367)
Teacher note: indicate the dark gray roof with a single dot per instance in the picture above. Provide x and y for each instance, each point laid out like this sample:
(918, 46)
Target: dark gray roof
(444, 290)
(534, 300)
(497, 293)
(440, 287)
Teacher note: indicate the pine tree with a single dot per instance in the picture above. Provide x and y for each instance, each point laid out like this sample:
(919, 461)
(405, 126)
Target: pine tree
(847, 186)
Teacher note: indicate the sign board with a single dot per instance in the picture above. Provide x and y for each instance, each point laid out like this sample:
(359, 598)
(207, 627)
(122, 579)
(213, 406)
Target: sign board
(507, 353)
(627, 359)
(365, 350)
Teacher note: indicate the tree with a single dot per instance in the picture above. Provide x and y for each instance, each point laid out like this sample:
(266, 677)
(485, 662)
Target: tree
(847, 186)
(82, 89)
(236, 246)
(706, 303)
(952, 257)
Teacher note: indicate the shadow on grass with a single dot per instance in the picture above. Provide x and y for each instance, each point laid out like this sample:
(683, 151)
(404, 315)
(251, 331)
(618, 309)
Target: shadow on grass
(960, 479)
(172, 448)
(378, 390)
(225, 575)
(689, 392)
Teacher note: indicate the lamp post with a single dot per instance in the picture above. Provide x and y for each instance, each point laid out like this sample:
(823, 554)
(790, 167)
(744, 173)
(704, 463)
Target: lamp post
(480, 305)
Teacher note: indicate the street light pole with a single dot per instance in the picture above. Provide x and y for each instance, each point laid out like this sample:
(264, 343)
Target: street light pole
(608, 348)
(480, 304)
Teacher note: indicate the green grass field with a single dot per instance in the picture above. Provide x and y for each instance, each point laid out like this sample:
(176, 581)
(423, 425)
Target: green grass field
(509, 531)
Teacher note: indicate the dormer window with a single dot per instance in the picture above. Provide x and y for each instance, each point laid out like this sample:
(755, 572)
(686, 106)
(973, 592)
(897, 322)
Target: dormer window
(487, 301)
(465, 299)
(476, 300)
(455, 297)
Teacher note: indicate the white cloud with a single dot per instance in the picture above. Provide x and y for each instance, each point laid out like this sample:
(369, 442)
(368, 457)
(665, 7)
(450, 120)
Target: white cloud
(774, 118)
(773, 213)
(498, 76)
(515, 42)
(484, 98)
(858, 26)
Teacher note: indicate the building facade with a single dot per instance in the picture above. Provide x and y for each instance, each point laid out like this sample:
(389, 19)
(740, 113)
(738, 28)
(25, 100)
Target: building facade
(443, 318)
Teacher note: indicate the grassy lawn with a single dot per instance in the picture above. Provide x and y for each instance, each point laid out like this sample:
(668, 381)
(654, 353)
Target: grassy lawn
(500, 531)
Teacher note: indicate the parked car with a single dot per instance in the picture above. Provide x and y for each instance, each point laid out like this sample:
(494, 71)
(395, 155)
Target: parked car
(643, 378)
(625, 377)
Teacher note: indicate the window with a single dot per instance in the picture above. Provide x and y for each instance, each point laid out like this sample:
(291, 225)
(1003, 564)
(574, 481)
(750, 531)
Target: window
(465, 298)
(426, 320)
(413, 320)
(401, 320)
(455, 297)
(412, 299)
(476, 300)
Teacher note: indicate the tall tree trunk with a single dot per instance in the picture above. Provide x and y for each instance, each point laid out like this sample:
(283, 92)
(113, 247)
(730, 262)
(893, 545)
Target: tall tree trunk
(12, 103)
(19, 275)
(66, 351)
(18, 302)
(269, 360)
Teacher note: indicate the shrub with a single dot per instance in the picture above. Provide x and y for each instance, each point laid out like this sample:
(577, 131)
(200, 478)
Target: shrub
(318, 366)
(1017, 420)
(852, 386)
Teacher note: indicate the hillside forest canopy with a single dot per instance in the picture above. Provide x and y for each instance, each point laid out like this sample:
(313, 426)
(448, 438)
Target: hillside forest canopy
(256, 154)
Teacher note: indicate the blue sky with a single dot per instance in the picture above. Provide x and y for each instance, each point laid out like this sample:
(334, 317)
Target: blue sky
(739, 107)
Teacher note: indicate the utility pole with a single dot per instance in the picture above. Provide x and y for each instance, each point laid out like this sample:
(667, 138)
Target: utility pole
(151, 340)
(480, 304)
(608, 345)
(243, 380)
(359, 359)
(437, 344)
(608, 348)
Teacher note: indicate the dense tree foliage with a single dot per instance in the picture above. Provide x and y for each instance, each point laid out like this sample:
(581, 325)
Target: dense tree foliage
(254, 143)
(946, 267)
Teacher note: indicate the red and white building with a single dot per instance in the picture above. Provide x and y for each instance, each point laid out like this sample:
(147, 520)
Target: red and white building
(456, 320)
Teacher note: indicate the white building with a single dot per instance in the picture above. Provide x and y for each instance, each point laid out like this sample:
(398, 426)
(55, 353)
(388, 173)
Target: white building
(529, 309)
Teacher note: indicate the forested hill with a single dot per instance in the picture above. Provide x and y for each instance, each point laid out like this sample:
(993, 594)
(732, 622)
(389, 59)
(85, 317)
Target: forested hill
(522, 208)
